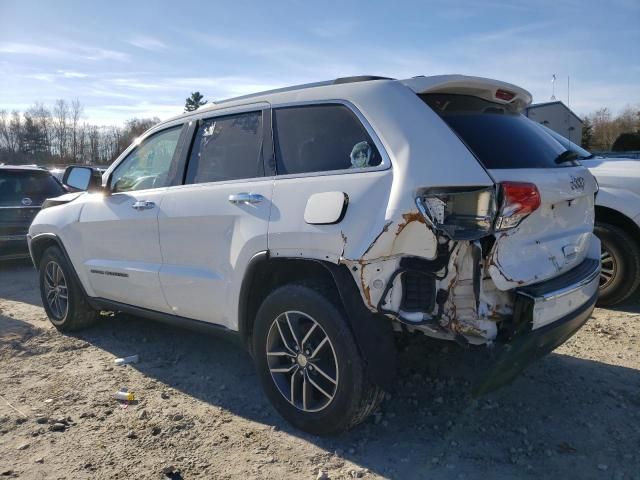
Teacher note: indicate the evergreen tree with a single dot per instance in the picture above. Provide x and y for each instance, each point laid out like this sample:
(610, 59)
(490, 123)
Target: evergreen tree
(33, 140)
(627, 142)
(587, 134)
(194, 102)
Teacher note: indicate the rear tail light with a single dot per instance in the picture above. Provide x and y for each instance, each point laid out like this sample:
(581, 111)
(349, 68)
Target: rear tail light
(518, 201)
(459, 213)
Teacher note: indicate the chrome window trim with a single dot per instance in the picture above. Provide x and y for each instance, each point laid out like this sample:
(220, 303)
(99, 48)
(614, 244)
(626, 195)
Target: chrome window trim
(237, 181)
(385, 164)
(22, 207)
(228, 111)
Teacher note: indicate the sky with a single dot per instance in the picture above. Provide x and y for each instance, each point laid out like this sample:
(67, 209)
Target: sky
(142, 59)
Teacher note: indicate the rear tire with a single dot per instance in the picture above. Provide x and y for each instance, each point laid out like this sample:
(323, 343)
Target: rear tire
(62, 297)
(620, 259)
(339, 369)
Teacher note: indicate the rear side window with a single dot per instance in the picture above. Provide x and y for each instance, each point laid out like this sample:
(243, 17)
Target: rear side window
(498, 136)
(321, 138)
(227, 148)
(22, 188)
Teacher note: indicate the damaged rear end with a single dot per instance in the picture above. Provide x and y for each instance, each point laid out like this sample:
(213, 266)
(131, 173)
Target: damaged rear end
(511, 261)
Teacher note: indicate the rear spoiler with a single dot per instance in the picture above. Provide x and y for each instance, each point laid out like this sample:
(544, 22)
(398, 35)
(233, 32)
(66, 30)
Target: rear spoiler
(486, 88)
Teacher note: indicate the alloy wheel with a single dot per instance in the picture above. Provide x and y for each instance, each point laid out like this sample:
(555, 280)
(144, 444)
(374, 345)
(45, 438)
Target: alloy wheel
(608, 268)
(56, 292)
(302, 361)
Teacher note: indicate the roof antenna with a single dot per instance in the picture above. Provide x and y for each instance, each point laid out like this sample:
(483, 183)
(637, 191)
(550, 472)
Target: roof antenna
(553, 87)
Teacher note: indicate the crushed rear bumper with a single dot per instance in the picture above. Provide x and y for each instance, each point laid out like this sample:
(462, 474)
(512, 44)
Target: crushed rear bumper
(545, 316)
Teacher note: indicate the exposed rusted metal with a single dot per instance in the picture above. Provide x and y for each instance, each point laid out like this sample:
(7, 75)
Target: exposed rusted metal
(384, 230)
(482, 307)
(408, 218)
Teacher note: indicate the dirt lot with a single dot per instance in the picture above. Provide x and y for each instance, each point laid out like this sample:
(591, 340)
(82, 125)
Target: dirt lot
(201, 413)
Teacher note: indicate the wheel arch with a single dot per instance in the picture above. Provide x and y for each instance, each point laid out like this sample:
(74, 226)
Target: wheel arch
(372, 332)
(39, 244)
(618, 219)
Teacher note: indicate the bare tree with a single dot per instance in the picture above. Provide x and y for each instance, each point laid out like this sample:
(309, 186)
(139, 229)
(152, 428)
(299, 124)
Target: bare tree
(42, 118)
(4, 130)
(94, 140)
(628, 120)
(15, 131)
(76, 113)
(61, 126)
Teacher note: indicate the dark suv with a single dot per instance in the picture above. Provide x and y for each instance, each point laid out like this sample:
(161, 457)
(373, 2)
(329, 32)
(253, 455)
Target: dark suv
(22, 191)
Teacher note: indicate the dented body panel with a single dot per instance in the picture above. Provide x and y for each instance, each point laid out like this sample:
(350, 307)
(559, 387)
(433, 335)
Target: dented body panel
(472, 281)
(552, 240)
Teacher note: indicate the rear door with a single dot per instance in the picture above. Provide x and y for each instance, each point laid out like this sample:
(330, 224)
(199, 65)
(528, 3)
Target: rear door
(211, 226)
(119, 231)
(326, 151)
(557, 235)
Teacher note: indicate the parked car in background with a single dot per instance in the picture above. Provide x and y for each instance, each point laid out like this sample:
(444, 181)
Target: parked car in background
(630, 155)
(314, 221)
(618, 227)
(23, 189)
(57, 172)
(617, 221)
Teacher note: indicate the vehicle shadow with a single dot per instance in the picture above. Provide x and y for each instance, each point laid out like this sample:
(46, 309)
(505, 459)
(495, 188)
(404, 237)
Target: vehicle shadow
(630, 306)
(551, 419)
(19, 281)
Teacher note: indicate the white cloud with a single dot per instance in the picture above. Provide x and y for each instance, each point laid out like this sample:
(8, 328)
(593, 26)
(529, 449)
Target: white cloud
(64, 50)
(71, 74)
(147, 43)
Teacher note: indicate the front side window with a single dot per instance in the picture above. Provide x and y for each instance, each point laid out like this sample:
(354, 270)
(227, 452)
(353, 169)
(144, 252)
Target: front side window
(227, 148)
(321, 138)
(149, 165)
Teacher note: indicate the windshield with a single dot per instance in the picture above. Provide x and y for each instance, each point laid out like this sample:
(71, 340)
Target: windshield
(499, 137)
(27, 188)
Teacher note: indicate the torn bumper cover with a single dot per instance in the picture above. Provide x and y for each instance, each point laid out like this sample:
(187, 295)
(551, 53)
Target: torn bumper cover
(545, 316)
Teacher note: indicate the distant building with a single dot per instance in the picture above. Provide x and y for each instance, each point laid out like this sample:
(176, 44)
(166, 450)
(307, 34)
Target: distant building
(559, 118)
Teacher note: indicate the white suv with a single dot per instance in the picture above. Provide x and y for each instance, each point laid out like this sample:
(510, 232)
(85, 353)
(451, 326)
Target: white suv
(617, 221)
(318, 220)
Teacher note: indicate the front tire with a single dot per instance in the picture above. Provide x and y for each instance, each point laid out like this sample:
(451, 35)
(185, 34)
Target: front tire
(62, 298)
(620, 263)
(308, 362)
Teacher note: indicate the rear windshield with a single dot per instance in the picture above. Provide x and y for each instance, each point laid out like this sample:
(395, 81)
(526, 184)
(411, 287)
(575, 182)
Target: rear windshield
(498, 136)
(26, 188)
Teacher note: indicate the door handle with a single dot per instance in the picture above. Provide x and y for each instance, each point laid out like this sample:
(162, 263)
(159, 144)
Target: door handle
(143, 205)
(250, 198)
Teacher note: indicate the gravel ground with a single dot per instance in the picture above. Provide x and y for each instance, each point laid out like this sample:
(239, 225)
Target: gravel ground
(200, 411)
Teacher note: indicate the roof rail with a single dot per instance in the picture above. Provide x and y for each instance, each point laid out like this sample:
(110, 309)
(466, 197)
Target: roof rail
(359, 78)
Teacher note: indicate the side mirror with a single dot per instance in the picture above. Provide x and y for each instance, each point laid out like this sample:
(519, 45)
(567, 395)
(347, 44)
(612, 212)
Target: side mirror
(82, 179)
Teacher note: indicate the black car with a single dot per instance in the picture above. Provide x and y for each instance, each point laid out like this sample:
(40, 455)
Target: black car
(22, 191)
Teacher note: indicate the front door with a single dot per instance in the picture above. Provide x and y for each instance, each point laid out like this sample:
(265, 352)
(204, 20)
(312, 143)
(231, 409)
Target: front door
(212, 226)
(119, 231)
